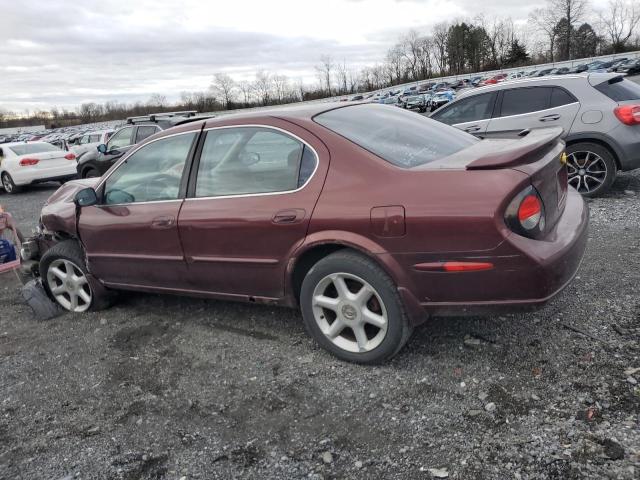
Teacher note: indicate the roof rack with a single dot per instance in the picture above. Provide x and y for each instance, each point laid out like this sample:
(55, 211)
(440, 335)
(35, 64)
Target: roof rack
(153, 117)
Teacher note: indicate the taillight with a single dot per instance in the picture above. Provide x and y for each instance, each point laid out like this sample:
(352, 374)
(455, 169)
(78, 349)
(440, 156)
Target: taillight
(70, 156)
(28, 162)
(628, 114)
(525, 213)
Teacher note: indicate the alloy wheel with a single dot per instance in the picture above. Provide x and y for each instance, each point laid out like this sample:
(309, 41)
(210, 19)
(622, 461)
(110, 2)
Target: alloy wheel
(587, 171)
(349, 312)
(6, 183)
(69, 285)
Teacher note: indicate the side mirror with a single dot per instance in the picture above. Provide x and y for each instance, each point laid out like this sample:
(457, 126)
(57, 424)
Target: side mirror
(86, 197)
(249, 158)
(102, 148)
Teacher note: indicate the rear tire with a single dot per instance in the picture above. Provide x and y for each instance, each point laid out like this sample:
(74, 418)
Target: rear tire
(592, 168)
(351, 307)
(8, 185)
(67, 281)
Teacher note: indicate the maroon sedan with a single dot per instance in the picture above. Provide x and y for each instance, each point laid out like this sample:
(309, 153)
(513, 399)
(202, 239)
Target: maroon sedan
(366, 216)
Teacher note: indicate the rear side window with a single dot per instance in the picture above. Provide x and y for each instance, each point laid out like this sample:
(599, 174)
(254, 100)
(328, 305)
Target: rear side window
(144, 132)
(525, 100)
(619, 89)
(560, 97)
(402, 138)
(472, 109)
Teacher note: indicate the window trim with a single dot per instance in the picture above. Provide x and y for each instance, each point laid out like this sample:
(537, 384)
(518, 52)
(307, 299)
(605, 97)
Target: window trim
(187, 165)
(190, 194)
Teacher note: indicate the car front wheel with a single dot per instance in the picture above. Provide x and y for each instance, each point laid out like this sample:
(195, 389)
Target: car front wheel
(351, 307)
(591, 168)
(65, 278)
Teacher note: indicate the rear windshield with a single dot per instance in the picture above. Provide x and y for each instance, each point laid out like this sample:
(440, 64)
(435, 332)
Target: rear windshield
(403, 138)
(619, 89)
(29, 148)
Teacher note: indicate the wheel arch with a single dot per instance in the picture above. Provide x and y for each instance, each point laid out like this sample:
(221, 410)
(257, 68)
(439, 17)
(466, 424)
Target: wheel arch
(319, 246)
(599, 139)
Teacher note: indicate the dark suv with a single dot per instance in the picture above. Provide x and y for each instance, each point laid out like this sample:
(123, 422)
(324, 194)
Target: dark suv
(95, 163)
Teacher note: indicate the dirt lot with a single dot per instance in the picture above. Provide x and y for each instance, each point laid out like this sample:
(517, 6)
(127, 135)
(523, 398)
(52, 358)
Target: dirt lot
(164, 387)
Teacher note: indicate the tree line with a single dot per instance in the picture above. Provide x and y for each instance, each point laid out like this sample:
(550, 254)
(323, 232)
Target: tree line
(561, 30)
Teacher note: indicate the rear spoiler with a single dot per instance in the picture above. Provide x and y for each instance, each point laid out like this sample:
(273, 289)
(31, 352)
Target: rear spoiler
(518, 151)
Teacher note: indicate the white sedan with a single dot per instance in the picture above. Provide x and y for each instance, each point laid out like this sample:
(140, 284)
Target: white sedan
(27, 163)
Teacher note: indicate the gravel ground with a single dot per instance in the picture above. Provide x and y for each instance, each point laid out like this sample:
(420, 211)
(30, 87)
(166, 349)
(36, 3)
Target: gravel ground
(164, 387)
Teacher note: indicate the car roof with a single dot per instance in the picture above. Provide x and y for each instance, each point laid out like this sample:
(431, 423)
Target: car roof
(593, 78)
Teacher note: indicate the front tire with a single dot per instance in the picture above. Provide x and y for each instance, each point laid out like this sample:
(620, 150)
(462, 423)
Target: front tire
(90, 173)
(67, 281)
(8, 185)
(351, 307)
(591, 167)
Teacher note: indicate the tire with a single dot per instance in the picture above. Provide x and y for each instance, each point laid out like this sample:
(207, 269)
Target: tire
(8, 185)
(595, 158)
(68, 257)
(378, 298)
(90, 173)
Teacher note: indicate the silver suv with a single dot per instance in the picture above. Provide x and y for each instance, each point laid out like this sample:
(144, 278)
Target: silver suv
(599, 112)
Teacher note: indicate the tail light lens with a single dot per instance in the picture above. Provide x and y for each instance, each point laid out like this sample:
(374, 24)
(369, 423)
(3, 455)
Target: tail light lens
(525, 214)
(29, 162)
(628, 114)
(70, 156)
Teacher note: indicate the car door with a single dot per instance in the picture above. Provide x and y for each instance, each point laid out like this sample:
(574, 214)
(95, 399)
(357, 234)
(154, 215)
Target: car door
(117, 146)
(470, 114)
(131, 237)
(532, 107)
(250, 200)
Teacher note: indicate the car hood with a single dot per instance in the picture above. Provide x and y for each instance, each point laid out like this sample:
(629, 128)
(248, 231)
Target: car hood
(59, 211)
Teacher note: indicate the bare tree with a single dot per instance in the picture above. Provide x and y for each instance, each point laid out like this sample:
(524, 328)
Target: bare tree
(410, 48)
(280, 87)
(619, 22)
(571, 12)
(440, 40)
(245, 89)
(262, 86)
(545, 21)
(157, 100)
(324, 71)
(342, 74)
(225, 87)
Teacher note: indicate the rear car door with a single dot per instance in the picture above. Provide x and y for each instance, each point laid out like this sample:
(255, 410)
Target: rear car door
(532, 107)
(131, 237)
(471, 114)
(250, 199)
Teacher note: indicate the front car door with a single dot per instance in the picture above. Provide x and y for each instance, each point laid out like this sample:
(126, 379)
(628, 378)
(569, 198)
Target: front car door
(471, 114)
(532, 107)
(131, 237)
(250, 199)
(117, 146)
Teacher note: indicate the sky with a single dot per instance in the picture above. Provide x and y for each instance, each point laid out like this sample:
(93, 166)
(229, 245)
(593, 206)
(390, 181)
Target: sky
(65, 52)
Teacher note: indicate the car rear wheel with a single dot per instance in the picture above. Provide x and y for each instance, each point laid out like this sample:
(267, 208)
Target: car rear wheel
(591, 168)
(66, 280)
(8, 185)
(351, 307)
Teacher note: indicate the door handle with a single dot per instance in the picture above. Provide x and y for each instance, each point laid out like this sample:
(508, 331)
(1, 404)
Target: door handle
(163, 222)
(549, 118)
(291, 215)
(472, 128)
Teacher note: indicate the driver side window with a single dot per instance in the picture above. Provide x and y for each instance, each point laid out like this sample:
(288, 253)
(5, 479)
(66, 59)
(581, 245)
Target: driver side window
(121, 139)
(472, 109)
(152, 173)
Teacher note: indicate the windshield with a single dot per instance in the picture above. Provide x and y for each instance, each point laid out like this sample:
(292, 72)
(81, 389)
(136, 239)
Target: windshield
(402, 138)
(29, 148)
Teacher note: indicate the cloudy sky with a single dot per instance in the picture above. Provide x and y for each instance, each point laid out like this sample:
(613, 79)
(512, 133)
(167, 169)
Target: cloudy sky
(65, 52)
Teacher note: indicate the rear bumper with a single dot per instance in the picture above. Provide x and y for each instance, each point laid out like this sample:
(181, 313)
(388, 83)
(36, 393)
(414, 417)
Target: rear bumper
(526, 275)
(29, 176)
